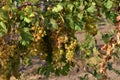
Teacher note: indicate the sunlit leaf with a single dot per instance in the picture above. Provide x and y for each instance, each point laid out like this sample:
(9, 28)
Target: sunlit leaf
(108, 4)
(32, 14)
(80, 16)
(92, 8)
(70, 7)
(27, 20)
(58, 8)
(77, 27)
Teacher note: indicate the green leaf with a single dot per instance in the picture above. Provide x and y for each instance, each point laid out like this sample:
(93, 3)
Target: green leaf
(77, 27)
(24, 43)
(99, 76)
(92, 8)
(26, 29)
(111, 16)
(108, 4)
(70, 21)
(109, 66)
(46, 70)
(70, 7)
(57, 72)
(53, 23)
(26, 36)
(3, 26)
(65, 69)
(27, 61)
(27, 20)
(80, 16)
(85, 77)
(21, 17)
(106, 38)
(58, 8)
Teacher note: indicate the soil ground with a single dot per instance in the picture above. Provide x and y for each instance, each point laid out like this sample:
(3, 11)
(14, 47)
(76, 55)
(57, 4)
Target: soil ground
(29, 73)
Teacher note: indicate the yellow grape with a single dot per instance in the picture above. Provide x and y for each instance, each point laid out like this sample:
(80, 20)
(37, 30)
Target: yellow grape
(91, 29)
(69, 55)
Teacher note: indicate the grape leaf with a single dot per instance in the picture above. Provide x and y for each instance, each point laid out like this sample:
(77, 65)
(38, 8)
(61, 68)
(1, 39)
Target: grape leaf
(26, 36)
(92, 8)
(108, 4)
(58, 8)
(3, 26)
(3, 29)
(53, 23)
(27, 20)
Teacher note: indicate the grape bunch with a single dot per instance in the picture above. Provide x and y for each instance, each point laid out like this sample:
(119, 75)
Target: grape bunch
(9, 61)
(70, 49)
(38, 32)
(36, 48)
(38, 45)
(64, 46)
(90, 26)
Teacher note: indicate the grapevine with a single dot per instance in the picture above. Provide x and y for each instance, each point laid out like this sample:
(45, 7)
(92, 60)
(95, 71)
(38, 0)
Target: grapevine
(32, 27)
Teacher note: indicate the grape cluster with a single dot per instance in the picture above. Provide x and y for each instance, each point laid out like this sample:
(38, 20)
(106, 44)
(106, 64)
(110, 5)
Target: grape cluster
(57, 58)
(64, 46)
(38, 45)
(38, 33)
(11, 52)
(35, 48)
(70, 49)
(9, 61)
(90, 26)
